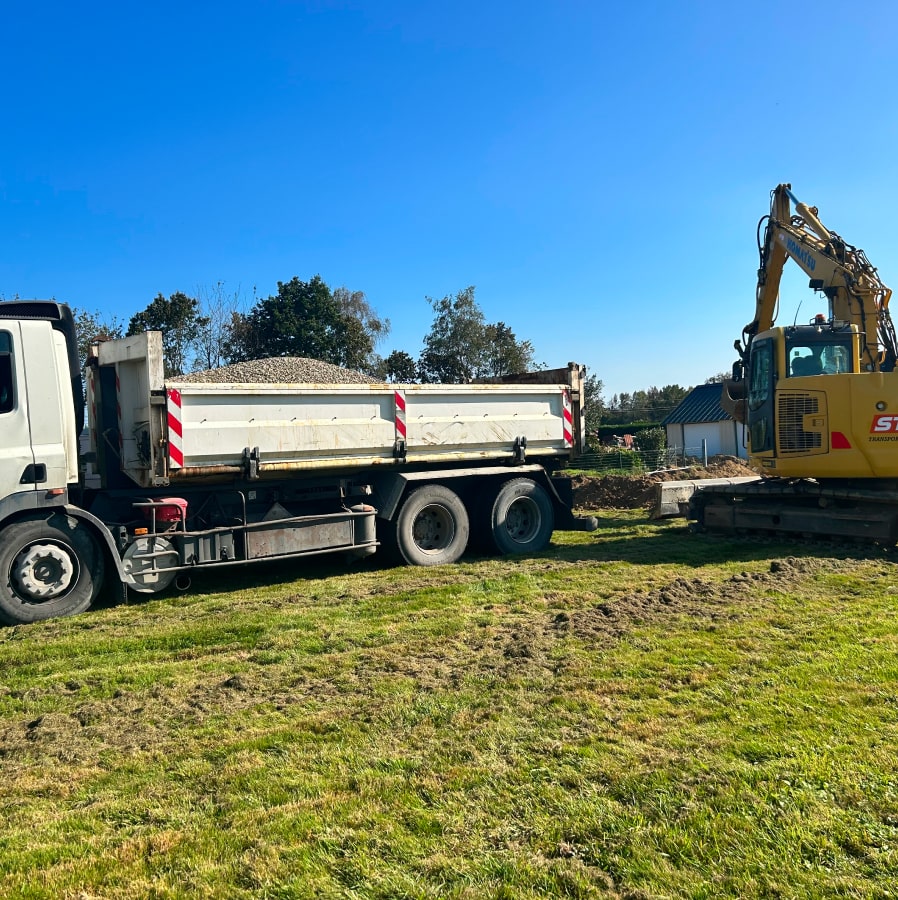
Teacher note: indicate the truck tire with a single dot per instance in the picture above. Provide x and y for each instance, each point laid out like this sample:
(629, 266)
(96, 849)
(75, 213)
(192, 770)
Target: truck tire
(432, 527)
(522, 518)
(48, 568)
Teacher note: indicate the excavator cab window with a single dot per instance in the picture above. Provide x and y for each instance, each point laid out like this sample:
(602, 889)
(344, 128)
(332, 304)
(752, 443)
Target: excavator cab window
(805, 365)
(760, 374)
(818, 357)
(761, 380)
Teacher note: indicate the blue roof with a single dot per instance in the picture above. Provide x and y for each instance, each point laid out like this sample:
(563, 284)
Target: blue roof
(701, 404)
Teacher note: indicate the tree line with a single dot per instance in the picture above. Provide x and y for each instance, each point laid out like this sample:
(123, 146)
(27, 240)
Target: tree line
(644, 406)
(308, 318)
(339, 326)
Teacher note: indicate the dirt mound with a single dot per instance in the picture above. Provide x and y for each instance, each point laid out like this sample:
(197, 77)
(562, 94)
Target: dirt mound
(614, 491)
(638, 491)
(718, 467)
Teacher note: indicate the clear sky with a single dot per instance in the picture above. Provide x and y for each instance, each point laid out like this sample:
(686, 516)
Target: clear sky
(596, 169)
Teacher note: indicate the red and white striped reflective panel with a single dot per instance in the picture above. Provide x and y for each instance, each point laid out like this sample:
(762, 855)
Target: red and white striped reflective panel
(118, 409)
(567, 418)
(175, 430)
(399, 414)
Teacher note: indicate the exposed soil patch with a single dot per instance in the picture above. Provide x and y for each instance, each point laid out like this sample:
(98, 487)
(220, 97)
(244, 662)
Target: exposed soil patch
(638, 491)
(614, 491)
(704, 600)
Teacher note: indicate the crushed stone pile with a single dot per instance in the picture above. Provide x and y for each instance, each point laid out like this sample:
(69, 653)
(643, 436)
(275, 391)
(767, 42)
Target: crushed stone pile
(638, 491)
(278, 370)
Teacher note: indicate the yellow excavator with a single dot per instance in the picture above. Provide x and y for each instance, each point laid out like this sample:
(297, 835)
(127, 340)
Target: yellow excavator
(819, 401)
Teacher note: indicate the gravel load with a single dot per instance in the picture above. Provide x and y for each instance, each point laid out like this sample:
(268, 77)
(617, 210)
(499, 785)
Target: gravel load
(278, 370)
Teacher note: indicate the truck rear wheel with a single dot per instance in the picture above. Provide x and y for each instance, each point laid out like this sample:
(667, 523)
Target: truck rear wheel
(522, 518)
(48, 568)
(432, 527)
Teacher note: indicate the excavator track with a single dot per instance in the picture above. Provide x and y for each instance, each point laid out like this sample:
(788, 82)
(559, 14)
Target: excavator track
(800, 507)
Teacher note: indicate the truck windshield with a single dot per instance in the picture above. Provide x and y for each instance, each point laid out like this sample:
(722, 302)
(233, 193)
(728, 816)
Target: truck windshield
(6, 385)
(816, 358)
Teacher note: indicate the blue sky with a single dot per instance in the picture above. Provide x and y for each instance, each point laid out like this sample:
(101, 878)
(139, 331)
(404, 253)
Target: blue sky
(597, 170)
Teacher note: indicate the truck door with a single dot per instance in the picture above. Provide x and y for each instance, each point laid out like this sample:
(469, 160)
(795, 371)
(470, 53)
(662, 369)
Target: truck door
(51, 416)
(16, 454)
(37, 420)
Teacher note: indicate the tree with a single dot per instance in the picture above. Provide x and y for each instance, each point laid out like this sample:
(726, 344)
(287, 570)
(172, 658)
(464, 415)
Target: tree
(400, 367)
(179, 320)
(651, 405)
(593, 404)
(652, 442)
(455, 346)
(305, 318)
(506, 355)
(302, 319)
(355, 305)
(354, 349)
(218, 311)
(91, 325)
(462, 346)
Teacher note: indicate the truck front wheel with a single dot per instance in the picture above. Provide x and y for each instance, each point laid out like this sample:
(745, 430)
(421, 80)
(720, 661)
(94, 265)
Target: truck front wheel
(48, 568)
(432, 527)
(522, 518)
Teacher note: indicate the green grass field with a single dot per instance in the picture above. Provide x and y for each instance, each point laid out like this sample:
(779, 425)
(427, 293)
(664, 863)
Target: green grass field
(634, 713)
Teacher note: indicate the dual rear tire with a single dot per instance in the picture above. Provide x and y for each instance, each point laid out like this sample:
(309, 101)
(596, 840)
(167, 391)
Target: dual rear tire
(432, 528)
(521, 518)
(433, 525)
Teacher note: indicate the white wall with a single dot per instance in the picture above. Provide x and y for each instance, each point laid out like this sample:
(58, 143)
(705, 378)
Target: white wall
(722, 437)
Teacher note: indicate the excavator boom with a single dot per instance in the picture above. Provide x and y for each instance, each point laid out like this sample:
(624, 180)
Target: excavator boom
(854, 290)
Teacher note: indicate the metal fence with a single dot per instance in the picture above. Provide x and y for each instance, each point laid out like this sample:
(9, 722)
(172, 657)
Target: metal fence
(619, 459)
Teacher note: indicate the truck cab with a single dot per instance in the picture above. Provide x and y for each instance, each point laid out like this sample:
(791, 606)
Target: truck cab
(38, 449)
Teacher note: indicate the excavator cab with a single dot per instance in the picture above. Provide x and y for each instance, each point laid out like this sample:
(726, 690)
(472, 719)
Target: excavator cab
(791, 372)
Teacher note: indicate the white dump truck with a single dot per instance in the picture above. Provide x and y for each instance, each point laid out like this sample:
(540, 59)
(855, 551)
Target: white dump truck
(171, 476)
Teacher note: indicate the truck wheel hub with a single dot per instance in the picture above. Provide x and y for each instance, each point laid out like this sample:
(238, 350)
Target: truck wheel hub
(43, 571)
(433, 529)
(522, 519)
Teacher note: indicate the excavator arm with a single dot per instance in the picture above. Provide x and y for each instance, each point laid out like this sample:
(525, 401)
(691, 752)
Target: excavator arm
(773, 259)
(853, 288)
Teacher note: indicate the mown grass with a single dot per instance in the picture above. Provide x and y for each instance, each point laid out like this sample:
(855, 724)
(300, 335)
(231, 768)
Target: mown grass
(637, 712)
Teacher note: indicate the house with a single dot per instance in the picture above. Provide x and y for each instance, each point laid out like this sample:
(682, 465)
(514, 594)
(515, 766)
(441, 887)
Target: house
(699, 425)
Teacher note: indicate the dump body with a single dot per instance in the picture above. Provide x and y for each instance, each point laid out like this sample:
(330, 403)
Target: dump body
(182, 432)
